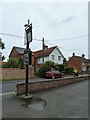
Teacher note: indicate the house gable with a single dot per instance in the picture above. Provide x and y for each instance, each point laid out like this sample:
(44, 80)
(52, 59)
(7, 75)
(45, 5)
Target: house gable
(57, 56)
(75, 63)
(80, 63)
(14, 53)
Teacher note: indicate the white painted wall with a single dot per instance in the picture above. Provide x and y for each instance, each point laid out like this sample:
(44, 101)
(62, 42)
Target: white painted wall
(45, 59)
(56, 53)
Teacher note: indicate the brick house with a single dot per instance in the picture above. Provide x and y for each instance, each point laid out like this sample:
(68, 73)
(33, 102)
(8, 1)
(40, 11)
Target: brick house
(18, 52)
(50, 54)
(78, 62)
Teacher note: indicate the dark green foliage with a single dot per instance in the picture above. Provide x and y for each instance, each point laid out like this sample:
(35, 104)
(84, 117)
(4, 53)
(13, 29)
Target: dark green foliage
(68, 70)
(13, 63)
(2, 46)
(88, 69)
(45, 67)
(36, 73)
(21, 62)
(49, 65)
(65, 62)
(3, 57)
(59, 67)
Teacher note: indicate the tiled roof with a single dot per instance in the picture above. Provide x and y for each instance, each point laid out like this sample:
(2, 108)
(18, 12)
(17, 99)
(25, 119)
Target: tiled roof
(20, 50)
(81, 59)
(38, 54)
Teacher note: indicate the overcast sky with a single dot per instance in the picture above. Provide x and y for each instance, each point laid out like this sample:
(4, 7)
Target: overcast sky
(55, 21)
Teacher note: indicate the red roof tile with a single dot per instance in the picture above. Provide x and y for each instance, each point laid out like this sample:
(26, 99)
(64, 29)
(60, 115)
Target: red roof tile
(38, 54)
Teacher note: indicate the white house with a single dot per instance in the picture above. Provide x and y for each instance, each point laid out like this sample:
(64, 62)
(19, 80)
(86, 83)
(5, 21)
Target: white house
(50, 54)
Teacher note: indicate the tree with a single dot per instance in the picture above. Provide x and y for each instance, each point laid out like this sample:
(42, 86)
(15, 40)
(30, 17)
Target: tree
(65, 62)
(2, 46)
(45, 67)
(13, 63)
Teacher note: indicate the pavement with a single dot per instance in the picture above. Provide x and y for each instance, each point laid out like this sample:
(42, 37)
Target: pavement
(69, 101)
(10, 86)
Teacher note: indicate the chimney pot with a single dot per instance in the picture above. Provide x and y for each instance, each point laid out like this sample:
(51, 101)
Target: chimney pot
(83, 55)
(73, 54)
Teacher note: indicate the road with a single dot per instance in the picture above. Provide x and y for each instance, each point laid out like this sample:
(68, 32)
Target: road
(69, 101)
(10, 86)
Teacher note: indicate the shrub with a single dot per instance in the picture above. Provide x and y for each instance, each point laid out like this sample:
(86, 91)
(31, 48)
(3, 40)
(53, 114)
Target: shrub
(69, 70)
(45, 67)
(13, 63)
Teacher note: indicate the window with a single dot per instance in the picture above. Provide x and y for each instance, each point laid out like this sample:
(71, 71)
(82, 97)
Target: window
(52, 57)
(38, 59)
(59, 58)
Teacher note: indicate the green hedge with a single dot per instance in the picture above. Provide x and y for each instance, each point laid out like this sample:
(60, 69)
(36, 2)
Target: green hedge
(68, 70)
(48, 65)
(13, 63)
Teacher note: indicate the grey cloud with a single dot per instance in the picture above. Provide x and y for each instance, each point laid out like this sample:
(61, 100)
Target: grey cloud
(64, 21)
(69, 19)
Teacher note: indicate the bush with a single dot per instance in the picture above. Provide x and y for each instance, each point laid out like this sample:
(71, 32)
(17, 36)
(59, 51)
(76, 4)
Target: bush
(48, 65)
(59, 67)
(69, 70)
(45, 67)
(13, 63)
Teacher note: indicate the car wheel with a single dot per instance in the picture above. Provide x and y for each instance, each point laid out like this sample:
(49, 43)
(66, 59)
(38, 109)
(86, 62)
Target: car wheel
(53, 77)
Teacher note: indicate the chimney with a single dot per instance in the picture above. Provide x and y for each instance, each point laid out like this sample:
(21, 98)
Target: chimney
(45, 47)
(73, 54)
(83, 55)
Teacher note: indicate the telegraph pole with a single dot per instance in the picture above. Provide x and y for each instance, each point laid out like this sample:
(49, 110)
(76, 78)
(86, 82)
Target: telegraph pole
(43, 50)
(27, 52)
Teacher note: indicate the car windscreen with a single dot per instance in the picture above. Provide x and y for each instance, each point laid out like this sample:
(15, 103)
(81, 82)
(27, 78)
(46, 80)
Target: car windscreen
(55, 71)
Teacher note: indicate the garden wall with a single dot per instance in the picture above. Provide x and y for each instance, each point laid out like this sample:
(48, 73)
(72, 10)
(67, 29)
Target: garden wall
(15, 73)
(47, 84)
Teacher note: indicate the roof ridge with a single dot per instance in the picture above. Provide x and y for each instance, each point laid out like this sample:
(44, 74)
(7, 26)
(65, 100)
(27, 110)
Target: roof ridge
(18, 47)
(47, 52)
(46, 49)
(81, 57)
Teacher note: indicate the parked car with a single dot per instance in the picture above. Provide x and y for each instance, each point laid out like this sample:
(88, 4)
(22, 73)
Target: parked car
(54, 74)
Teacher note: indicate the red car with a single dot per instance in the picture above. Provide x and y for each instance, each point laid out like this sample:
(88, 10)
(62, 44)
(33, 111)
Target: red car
(54, 74)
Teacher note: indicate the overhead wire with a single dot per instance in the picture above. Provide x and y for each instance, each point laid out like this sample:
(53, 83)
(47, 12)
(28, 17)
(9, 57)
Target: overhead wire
(69, 38)
(17, 36)
(63, 48)
(48, 40)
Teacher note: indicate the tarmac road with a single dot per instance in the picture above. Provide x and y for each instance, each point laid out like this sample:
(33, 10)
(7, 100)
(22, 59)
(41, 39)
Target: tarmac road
(10, 86)
(69, 101)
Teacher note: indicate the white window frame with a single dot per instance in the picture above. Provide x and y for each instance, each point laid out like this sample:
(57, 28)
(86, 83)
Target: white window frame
(59, 58)
(39, 60)
(52, 57)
